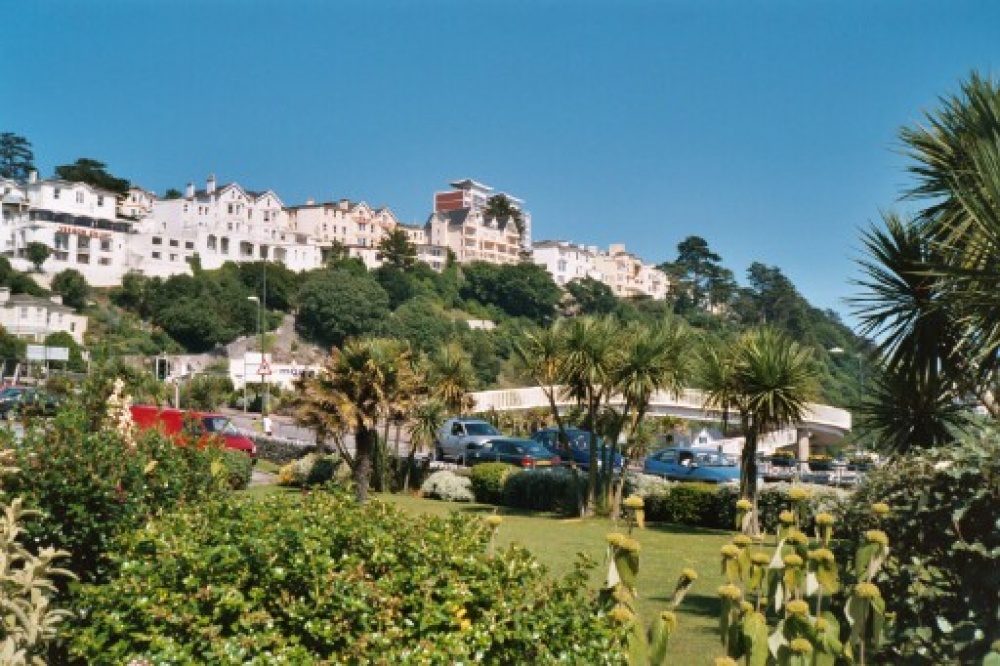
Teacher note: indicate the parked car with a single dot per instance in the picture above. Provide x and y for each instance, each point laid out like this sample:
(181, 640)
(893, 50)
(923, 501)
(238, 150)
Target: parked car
(27, 400)
(678, 463)
(456, 434)
(577, 450)
(510, 450)
(780, 467)
(185, 427)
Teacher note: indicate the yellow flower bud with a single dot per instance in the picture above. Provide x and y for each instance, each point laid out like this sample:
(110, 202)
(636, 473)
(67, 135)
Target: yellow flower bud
(633, 502)
(620, 614)
(725, 661)
(881, 509)
(494, 521)
(742, 540)
(730, 592)
(786, 517)
(801, 646)
(797, 607)
(877, 536)
(760, 559)
(792, 560)
(822, 555)
(729, 551)
(689, 574)
(824, 519)
(744, 505)
(796, 537)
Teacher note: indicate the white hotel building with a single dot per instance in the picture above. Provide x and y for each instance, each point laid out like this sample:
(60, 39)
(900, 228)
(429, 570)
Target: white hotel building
(625, 273)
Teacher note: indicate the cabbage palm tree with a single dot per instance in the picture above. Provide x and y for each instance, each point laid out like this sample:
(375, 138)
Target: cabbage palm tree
(354, 390)
(450, 377)
(539, 354)
(591, 355)
(768, 380)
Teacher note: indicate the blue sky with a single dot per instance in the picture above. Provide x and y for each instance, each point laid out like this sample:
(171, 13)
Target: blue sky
(768, 128)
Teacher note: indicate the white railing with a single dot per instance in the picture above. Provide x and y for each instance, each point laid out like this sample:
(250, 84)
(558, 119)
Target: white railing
(689, 403)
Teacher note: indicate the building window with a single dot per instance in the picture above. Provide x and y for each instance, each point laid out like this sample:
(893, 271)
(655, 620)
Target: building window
(83, 258)
(188, 245)
(100, 200)
(156, 255)
(267, 216)
(104, 261)
(157, 240)
(230, 209)
(173, 257)
(79, 197)
(62, 241)
(173, 243)
(82, 243)
(211, 243)
(105, 246)
(24, 312)
(55, 193)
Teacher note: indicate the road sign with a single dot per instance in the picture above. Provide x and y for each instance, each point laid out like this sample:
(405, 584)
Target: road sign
(265, 368)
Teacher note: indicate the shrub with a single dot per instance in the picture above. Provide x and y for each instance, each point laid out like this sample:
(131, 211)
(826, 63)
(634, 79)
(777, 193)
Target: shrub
(318, 579)
(943, 573)
(685, 504)
(239, 468)
(488, 481)
(560, 490)
(644, 485)
(93, 485)
(448, 486)
(309, 470)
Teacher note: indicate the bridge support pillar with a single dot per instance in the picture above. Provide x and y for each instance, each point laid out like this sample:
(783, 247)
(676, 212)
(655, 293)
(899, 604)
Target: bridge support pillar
(802, 436)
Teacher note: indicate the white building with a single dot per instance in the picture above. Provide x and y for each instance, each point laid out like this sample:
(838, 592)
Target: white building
(623, 272)
(33, 318)
(220, 224)
(355, 226)
(76, 221)
(565, 261)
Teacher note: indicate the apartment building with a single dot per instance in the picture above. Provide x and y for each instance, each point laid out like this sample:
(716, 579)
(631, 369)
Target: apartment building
(628, 276)
(566, 261)
(34, 318)
(356, 226)
(218, 224)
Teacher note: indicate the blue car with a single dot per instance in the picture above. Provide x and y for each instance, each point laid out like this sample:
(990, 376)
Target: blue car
(578, 449)
(678, 463)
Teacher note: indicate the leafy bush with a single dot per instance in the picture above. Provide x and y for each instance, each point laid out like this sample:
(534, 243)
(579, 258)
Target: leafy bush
(318, 579)
(93, 485)
(488, 481)
(239, 468)
(560, 490)
(943, 572)
(448, 486)
(644, 485)
(309, 470)
(686, 504)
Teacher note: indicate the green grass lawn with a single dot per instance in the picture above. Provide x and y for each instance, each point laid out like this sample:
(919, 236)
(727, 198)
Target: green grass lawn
(666, 550)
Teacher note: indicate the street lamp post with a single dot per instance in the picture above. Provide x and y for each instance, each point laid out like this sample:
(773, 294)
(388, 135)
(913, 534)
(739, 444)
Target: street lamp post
(261, 336)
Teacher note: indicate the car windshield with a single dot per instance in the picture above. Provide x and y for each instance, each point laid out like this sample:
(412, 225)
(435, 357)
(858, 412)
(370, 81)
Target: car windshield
(480, 429)
(220, 425)
(11, 392)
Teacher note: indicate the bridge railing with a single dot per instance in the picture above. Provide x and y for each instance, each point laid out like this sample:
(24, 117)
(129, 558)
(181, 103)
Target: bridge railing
(689, 403)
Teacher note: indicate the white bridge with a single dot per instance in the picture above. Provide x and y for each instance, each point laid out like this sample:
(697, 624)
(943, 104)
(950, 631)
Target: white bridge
(822, 424)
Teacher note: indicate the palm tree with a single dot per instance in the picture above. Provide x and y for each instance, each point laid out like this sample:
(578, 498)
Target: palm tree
(767, 379)
(539, 354)
(450, 377)
(354, 390)
(591, 352)
(499, 207)
(425, 421)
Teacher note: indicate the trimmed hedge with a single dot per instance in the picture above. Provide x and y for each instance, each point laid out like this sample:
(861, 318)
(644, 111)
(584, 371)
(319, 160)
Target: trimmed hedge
(560, 490)
(488, 481)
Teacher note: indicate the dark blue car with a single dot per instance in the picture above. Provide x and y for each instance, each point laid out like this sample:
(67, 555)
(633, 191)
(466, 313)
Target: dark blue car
(578, 449)
(679, 463)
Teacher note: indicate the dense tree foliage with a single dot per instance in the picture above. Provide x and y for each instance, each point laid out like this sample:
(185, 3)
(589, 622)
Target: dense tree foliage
(397, 251)
(16, 157)
(592, 297)
(337, 304)
(37, 254)
(73, 287)
(518, 290)
(93, 172)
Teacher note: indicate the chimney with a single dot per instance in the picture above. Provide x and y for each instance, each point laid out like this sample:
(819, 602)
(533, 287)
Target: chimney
(189, 193)
(56, 299)
(210, 184)
(32, 177)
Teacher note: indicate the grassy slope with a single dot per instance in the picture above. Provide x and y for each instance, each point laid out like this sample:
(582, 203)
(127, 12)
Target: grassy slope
(665, 551)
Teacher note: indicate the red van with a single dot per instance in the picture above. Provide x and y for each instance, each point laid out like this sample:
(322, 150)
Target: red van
(180, 423)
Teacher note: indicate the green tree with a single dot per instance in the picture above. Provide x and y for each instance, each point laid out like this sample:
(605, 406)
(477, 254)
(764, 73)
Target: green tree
(37, 254)
(355, 390)
(421, 323)
(499, 207)
(73, 287)
(172, 193)
(16, 157)
(519, 290)
(12, 348)
(92, 172)
(767, 379)
(336, 304)
(396, 249)
(592, 297)
(76, 361)
(694, 265)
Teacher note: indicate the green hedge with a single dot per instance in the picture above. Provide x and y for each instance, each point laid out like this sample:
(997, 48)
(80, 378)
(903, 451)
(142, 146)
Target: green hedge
(488, 481)
(560, 490)
(302, 579)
